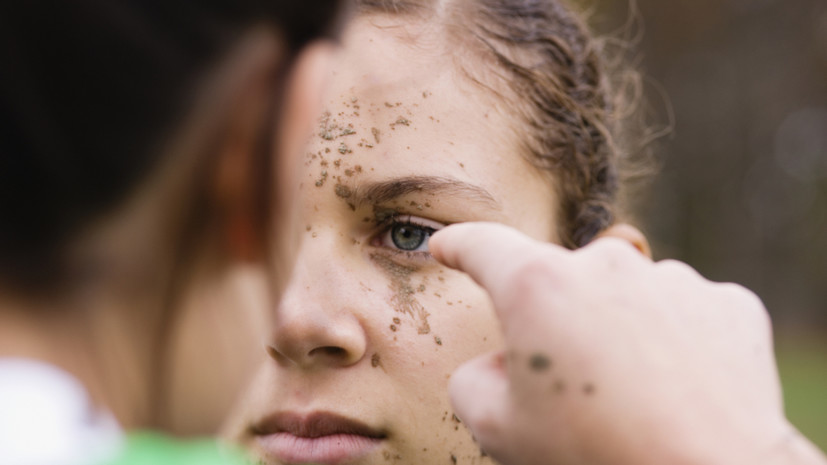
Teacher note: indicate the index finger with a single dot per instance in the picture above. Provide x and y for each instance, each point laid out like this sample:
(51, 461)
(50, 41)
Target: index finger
(494, 256)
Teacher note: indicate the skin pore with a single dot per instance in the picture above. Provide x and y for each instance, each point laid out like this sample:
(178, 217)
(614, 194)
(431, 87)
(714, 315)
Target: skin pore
(370, 326)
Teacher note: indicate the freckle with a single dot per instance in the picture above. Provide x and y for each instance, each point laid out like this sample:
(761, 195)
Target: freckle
(398, 104)
(438, 294)
(539, 362)
(588, 389)
(337, 163)
(440, 278)
(366, 220)
(355, 242)
(308, 228)
(438, 340)
(450, 303)
(351, 206)
(358, 168)
(396, 320)
(388, 104)
(314, 234)
(327, 150)
(376, 133)
(462, 165)
(348, 172)
(428, 204)
(393, 328)
(421, 288)
(374, 360)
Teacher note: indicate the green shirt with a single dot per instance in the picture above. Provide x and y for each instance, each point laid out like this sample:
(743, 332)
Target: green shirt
(150, 448)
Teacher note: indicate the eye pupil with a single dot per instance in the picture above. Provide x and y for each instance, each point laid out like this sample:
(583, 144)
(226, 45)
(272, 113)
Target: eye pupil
(408, 237)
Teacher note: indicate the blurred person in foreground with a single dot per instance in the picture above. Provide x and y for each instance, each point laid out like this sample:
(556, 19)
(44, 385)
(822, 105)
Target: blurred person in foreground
(137, 171)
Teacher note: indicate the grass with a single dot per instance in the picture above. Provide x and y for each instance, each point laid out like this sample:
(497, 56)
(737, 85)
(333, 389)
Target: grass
(802, 363)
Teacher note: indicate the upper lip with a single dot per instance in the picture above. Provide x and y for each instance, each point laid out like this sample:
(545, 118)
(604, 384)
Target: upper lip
(313, 425)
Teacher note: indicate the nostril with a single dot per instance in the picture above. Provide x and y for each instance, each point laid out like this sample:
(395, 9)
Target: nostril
(331, 351)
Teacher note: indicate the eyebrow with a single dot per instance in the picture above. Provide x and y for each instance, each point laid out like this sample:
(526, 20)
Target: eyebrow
(387, 190)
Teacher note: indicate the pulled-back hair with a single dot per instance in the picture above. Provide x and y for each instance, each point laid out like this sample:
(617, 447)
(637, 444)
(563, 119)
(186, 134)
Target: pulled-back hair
(568, 106)
(89, 89)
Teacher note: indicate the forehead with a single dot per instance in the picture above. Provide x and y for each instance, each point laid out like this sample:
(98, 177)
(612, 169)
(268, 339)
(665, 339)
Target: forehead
(399, 106)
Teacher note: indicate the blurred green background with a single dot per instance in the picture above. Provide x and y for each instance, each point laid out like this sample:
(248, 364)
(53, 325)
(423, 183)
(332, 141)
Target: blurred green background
(741, 193)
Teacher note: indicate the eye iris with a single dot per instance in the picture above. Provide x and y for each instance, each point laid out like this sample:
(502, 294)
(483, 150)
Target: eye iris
(408, 237)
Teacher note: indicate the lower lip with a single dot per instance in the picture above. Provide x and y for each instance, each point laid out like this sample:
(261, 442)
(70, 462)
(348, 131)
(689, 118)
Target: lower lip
(329, 450)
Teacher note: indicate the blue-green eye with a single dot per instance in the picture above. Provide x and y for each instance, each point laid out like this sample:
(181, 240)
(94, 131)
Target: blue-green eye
(408, 234)
(410, 237)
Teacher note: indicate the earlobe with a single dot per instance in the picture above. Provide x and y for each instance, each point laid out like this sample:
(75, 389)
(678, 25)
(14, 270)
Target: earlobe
(630, 234)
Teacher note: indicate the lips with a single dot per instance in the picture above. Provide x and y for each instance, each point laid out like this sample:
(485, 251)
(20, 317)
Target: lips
(321, 438)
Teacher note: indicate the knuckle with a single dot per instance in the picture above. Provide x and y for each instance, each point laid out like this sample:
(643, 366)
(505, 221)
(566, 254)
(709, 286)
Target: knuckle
(745, 300)
(615, 253)
(679, 269)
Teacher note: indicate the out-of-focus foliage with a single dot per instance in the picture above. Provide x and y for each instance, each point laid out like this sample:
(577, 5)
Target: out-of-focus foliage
(742, 190)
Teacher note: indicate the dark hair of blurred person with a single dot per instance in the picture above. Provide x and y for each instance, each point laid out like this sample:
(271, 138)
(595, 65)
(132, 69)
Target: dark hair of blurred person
(136, 163)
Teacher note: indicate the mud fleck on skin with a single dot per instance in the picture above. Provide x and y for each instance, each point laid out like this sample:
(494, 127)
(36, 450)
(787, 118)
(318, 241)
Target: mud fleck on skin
(343, 149)
(382, 214)
(343, 191)
(539, 362)
(403, 300)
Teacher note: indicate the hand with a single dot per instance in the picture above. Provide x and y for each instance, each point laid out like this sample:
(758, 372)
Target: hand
(611, 358)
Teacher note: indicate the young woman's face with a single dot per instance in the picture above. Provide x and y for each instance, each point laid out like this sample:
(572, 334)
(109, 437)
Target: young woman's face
(371, 327)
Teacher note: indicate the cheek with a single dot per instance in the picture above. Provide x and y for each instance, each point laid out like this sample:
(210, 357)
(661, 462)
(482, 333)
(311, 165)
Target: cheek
(461, 324)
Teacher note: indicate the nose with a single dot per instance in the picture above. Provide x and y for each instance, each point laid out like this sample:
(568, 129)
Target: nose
(314, 324)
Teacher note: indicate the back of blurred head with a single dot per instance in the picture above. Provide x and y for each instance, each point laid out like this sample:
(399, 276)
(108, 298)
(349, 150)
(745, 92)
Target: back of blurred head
(134, 135)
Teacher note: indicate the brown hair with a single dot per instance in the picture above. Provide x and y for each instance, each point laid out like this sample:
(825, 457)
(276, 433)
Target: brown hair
(557, 82)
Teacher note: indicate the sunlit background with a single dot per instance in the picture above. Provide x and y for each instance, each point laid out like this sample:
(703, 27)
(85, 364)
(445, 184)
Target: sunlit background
(742, 190)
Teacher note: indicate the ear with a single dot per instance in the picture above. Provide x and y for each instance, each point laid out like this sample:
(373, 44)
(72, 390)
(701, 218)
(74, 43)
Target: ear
(630, 234)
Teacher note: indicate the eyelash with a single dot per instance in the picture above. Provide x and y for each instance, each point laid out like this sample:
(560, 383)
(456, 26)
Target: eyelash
(386, 229)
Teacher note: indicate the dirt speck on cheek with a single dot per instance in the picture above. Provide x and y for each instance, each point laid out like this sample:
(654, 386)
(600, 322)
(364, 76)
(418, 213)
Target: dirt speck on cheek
(403, 299)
